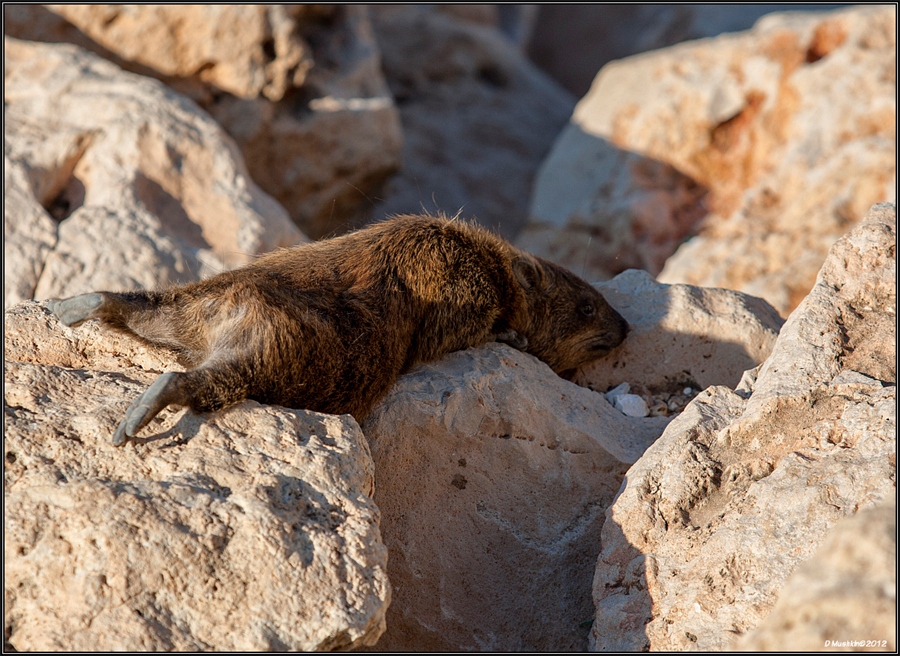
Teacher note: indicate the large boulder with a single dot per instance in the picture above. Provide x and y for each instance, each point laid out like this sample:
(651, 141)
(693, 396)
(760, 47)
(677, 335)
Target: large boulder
(113, 181)
(754, 146)
(745, 485)
(249, 530)
(478, 118)
(493, 478)
(299, 88)
(494, 473)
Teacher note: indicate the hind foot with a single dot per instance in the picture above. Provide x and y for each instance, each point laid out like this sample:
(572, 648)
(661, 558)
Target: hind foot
(164, 391)
(76, 310)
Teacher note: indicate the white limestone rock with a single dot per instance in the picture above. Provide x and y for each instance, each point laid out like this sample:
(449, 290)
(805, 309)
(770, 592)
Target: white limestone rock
(744, 486)
(127, 183)
(251, 529)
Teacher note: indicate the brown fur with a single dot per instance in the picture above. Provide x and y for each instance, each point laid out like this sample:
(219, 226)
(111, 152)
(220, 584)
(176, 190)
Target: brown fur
(329, 326)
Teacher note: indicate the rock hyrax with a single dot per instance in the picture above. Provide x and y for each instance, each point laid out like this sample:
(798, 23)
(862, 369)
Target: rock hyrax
(329, 326)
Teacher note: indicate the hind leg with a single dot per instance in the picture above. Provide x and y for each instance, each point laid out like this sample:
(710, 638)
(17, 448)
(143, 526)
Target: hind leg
(140, 312)
(152, 316)
(206, 389)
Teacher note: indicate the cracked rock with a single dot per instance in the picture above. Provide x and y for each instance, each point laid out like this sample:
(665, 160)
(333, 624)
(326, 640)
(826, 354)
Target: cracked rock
(248, 530)
(493, 477)
(744, 486)
(299, 88)
(115, 182)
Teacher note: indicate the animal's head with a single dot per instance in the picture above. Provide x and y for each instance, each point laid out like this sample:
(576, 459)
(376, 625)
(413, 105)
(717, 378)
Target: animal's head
(571, 324)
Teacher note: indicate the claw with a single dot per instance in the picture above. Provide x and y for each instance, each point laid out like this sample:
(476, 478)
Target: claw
(76, 310)
(119, 437)
(163, 392)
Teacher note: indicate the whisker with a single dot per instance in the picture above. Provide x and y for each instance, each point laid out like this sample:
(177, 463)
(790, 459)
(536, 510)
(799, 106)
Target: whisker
(586, 252)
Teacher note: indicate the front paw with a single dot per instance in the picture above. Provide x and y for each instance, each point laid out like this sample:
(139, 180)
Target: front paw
(163, 392)
(512, 338)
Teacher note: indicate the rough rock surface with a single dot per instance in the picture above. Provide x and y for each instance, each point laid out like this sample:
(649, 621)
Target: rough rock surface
(478, 118)
(755, 142)
(115, 182)
(29, 233)
(328, 147)
(252, 529)
(493, 477)
(245, 50)
(845, 593)
(744, 486)
(680, 335)
(299, 87)
(494, 473)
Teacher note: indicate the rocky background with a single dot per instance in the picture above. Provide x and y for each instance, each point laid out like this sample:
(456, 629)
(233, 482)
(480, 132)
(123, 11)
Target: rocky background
(720, 481)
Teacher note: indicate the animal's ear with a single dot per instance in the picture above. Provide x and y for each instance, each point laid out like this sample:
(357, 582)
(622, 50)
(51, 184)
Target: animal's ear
(529, 273)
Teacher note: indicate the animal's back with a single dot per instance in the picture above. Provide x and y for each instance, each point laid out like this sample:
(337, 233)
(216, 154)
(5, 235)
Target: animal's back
(329, 326)
(354, 312)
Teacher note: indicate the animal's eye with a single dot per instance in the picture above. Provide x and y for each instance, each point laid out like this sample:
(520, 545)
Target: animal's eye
(586, 309)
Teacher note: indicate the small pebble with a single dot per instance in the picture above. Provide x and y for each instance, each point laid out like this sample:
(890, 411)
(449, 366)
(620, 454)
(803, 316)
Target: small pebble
(631, 405)
(624, 388)
(687, 391)
(659, 409)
